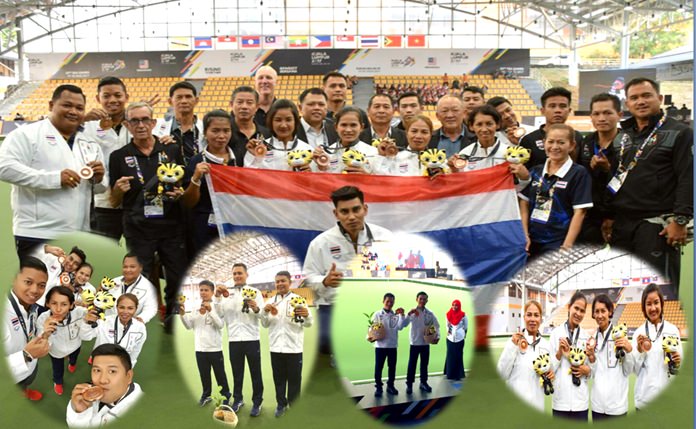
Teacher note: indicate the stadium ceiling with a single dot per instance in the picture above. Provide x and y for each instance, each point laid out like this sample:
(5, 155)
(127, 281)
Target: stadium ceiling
(565, 23)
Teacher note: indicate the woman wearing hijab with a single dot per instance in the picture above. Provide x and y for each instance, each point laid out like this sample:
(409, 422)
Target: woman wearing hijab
(457, 325)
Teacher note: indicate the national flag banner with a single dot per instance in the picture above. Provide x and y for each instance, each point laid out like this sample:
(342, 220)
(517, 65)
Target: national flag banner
(369, 41)
(392, 41)
(321, 41)
(298, 42)
(251, 42)
(487, 245)
(203, 42)
(415, 41)
(273, 42)
(178, 43)
(344, 42)
(226, 42)
(625, 282)
(646, 280)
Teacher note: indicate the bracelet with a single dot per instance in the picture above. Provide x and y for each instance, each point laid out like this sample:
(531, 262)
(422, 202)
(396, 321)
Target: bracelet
(196, 182)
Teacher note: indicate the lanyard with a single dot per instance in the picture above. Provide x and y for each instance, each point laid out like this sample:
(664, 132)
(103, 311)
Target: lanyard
(339, 146)
(570, 335)
(180, 134)
(125, 330)
(650, 139)
(271, 146)
(606, 337)
(476, 145)
(31, 313)
(375, 136)
(63, 325)
(551, 183)
(138, 171)
(659, 332)
(125, 287)
(535, 342)
(370, 237)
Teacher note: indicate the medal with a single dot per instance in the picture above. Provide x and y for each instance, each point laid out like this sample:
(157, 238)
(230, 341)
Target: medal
(460, 163)
(86, 172)
(65, 279)
(519, 133)
(61, 260)
(93, 393)
(523, 344)
(106, 123)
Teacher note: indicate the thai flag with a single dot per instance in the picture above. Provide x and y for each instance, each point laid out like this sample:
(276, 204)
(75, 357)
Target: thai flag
(474, 215)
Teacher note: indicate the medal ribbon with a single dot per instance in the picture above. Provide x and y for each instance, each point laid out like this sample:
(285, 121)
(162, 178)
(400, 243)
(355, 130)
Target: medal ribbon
(650, 139)
(28, 334)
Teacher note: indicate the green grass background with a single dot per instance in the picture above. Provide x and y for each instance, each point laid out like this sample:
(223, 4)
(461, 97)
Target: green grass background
(485, 402)
(355, 356)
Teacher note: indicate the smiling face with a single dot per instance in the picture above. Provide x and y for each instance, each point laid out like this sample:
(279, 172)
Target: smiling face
(183, 101)
(282, 284)
(507, 114)
(388, 303)
(485, 127)
(109, 373)
(67, 112)
(113, 99)
(558, 145)
(218, 134)
(604, 116)
(450, 113)
(556, 110)
(140, 123)
(653, 307)
(29, 285)
(83, 274)
(72, 261)
(532, 319)
(643, 101)
(351, 215)
(348, 128)
(59, 305)
(244, 106)
(131, 269)
(576, 312)
(265, 81)
(601, 315)
(126, 310)
(283, 125)
(418, 135)
(239, 276)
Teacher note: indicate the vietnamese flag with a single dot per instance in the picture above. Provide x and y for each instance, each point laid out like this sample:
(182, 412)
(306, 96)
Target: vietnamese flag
(392, 41)
(416, 41)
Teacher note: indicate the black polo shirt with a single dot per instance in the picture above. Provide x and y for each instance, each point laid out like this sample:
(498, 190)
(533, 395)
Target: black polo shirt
(129, 161)
(239, 140)
(534, 141)
(600, 179)
(188, 139)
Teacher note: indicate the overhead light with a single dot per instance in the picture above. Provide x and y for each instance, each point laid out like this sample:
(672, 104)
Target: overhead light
(582, 24)
(681, 8)
(628, 6)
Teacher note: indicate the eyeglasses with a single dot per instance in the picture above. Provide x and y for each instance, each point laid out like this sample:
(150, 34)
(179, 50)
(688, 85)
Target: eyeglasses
(135, 121)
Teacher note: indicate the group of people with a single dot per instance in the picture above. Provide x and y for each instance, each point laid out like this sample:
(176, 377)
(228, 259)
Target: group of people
(608, 360)
(242, 309)
(428, 94)
(51, 310)
(424, 332)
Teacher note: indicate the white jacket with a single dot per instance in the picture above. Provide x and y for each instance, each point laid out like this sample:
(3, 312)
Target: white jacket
(110, 331)
(610, 377)
(567, 396)
(329, 247)
(284, 334)
(650, 366)
(54, 271)
(14, 340)
(276, 158)
(405, 163)
(66, 338)
(392, 323)
(240, 326)
(144, 291)
(419, 323)
(109, 141)
(95, 417)
(207, 329)
(31, 159)
(517, 370)
(480, 158)
(336, 164)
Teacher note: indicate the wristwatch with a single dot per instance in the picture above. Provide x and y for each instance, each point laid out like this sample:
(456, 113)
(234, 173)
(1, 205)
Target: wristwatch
(681, 220)
(27, 357)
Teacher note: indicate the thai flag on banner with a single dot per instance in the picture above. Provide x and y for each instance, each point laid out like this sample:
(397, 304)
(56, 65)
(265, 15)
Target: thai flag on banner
(369, 41)
(474, 215)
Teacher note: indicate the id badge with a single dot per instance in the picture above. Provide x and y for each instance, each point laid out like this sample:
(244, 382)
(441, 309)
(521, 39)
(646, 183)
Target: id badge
(153, 210)
(542, 211)
(211, 220)
(617, 182)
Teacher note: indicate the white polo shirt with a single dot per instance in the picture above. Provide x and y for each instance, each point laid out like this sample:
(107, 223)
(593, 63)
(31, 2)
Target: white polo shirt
(419, 323)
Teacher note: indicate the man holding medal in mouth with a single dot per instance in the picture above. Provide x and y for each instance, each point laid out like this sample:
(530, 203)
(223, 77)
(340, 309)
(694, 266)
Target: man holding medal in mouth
(53, 168)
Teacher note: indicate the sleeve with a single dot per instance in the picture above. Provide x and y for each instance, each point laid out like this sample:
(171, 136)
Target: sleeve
(403, 322)
(314, 271)
(553, 342)
(384, 165)
(79, 420)
(16, 154)
(628, 363)
(40, 323)
(581, 193)
(637, 357)
(260, 302)
(87, 332)
(265, 318)
(18, 366)
(138, 345)
(506, 361)
(150, 305)
(252, 161)
(216, 318)
(114, 167)
(527, 191)
(102, 186)
(187, 321)
(437, 325)
(310, 319)
(683, 163)
(465, 325)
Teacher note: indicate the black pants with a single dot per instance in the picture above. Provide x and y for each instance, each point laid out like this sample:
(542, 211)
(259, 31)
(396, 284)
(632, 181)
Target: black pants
(643, 239)
(216, 361)
(173, 257)
(385, 354)
(251, 350)
(573, 415)
(59, 365)
(600, 416)
(25, 245)
(414, 353)
(203, 234)
(24, 384)
(324, 312)
(287, 377)
(109, 222)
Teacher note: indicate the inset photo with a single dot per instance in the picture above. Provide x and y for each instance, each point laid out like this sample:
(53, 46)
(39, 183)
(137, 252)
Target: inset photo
(588, 334)
(400, 330)
(246, 337)
(79, 335)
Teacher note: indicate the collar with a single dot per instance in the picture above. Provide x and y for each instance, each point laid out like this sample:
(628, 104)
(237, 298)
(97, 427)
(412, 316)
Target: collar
(279, 145)
(461, 135)
(307, 127)
(631, 124)
(373, 133)
(158, 147)
(561, 171)
(24, 311)
(177, 126)
(216, 159)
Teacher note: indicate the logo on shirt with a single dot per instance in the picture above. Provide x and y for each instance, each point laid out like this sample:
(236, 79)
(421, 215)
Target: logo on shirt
(540, 144)
(130, 161)
(561, 184)
(403, 168)
(335, 252)
(51, 139)
(15, 323)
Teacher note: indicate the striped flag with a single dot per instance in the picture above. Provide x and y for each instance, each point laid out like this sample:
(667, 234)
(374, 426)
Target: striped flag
(474, 215)
(273, 42)
(226, 42)
(369, 41)
(344, 42)
(203, 42)
(298, 42)
(251, 41)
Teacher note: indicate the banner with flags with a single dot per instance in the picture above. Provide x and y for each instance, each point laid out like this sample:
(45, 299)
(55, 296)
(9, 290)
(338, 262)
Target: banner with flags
(226, 42)
(473, 215)
(273, 42)
(251, 42)
(298, 42)
(415, 41)
(345, 42)
(321, 42)
(203, 42)
(369, 41)
(392, 41)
